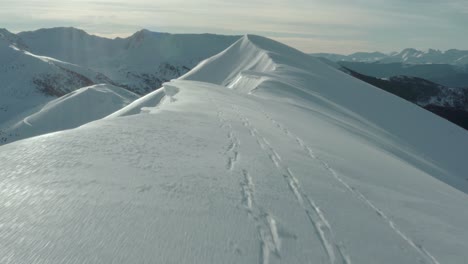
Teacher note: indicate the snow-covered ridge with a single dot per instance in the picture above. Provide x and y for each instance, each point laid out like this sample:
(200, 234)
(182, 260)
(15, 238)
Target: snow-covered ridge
(38, 66)
(260, 154)
(140, 63)
(28, 81)
(70, 111)
(259, 65)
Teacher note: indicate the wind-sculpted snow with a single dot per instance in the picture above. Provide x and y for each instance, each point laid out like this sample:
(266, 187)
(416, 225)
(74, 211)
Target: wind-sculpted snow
(274, 71)
(259, 155)
(72, 110)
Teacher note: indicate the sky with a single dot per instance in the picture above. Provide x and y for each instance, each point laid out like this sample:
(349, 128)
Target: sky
(337, 26)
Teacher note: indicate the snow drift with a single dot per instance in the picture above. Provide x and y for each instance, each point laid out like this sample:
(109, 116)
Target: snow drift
(72, 110)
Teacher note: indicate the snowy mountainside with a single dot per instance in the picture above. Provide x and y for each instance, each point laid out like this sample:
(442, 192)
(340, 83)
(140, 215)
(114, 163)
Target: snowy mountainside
(29, 80)
(306, 79)
(70, 59)
(71, 45)
(409, 56)
(70, 111)
(449, 103)
(426, 93)
(140, 63)
(261, 154)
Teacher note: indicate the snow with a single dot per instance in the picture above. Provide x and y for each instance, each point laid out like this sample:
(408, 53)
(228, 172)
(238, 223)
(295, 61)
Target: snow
(72, 110)
(409, 55)
(135, 62)
(261, 154)
(21, 71)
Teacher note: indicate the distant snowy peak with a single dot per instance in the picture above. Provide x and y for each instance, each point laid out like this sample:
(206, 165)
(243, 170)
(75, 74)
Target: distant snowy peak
(409, 55)
(364, 56)
(8, 38)
(71, 45)
(66, 34)
(137, 39)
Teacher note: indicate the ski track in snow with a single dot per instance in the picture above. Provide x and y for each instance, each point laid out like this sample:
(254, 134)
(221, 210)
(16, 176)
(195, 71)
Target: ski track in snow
(320, 224)
(264, 222)
(426, 256)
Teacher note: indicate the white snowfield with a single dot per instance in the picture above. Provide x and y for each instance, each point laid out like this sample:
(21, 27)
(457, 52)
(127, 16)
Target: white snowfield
(73, 110)
(261, 154)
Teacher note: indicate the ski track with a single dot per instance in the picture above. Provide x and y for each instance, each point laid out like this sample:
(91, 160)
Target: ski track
(264, 222)
(320, 224)
(426, 256)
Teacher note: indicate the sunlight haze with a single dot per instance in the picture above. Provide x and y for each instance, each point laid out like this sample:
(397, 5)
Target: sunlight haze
(311, 26)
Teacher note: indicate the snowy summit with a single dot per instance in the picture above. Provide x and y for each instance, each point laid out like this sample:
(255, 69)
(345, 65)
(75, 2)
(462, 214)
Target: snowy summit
(260, 154)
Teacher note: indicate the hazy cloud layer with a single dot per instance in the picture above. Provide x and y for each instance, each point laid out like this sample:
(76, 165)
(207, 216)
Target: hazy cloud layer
(310, 25)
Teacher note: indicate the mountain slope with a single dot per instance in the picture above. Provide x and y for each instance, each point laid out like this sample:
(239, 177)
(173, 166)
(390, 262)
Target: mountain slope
(72, 110)
(449, 103)
(29, 80)
(140, 63)
(307, 80)
(261, 154)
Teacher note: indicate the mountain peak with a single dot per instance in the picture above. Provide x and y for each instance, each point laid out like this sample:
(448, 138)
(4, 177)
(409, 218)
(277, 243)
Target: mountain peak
(146, 33)
(270, 45)
(409, 50)
(12, 39)
(62, 33)
(4, 31)
(61, 30)
(138, 37)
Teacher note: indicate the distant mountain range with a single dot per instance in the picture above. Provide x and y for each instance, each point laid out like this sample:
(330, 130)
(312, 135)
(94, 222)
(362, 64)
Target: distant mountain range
(409, 56)
(434, 80)
(139, 63)
(444, 74)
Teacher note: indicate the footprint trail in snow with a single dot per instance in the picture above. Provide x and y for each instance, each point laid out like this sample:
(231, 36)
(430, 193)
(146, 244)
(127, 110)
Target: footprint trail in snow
(426, 256)
(334, 250)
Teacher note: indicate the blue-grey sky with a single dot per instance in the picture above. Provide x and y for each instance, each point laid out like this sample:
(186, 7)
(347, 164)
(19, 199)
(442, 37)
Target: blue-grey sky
(341, 26)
